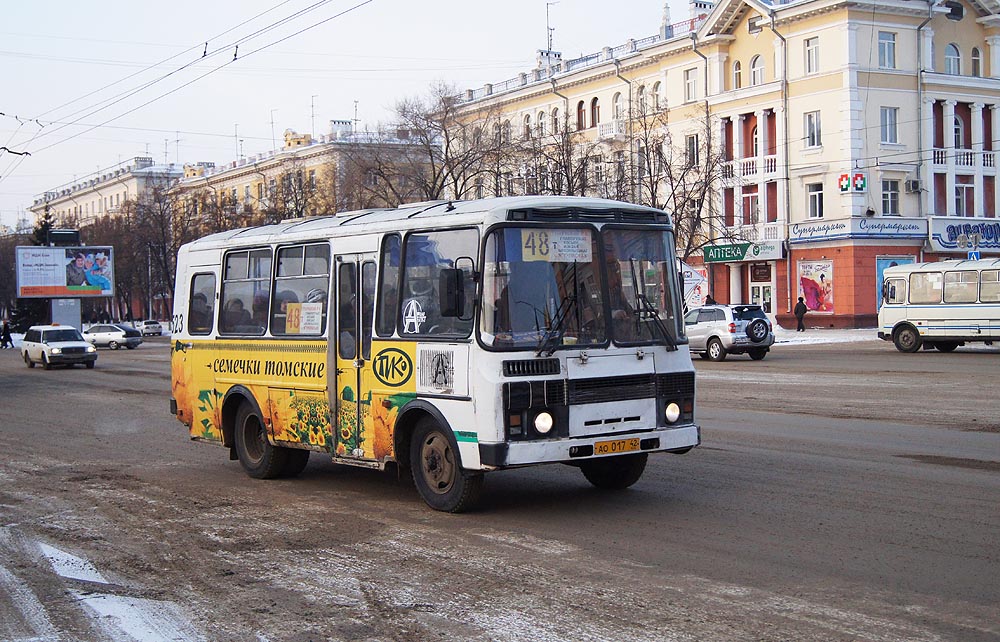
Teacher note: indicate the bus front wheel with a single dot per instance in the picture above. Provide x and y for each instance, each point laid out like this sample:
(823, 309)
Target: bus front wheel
(437, 470)
(614, 473)
(907, 339)
(259, 458)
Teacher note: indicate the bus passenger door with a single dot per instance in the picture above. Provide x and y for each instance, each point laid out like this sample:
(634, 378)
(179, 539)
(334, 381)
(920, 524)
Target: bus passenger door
(355, 293)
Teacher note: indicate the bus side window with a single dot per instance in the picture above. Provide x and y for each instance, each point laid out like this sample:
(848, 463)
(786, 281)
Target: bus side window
(388, 286)
(989, 286)
(895, 291)
(200, 301)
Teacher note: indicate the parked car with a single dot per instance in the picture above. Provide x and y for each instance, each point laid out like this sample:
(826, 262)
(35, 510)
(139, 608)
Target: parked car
(715, 331)
(113, 336)
(149, 328)
(52, 345)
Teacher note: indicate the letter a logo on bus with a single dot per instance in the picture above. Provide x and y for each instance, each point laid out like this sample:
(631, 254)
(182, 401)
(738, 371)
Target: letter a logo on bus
(393, 367)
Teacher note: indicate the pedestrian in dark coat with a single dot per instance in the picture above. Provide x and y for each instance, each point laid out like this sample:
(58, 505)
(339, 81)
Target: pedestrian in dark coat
(5, 339)
(800, 314)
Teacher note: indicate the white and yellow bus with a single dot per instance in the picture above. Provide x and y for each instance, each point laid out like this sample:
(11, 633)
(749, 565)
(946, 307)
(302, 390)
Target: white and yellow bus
(941, 305)
(449, 338)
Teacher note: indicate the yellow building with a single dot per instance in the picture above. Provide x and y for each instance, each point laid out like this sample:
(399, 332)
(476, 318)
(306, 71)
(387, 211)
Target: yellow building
(835, 137)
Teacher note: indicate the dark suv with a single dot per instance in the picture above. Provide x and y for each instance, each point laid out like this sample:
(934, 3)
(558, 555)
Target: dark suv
(717, 330)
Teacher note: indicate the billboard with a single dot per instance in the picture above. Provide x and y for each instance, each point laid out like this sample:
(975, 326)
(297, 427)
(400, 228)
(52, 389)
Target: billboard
(65, 272)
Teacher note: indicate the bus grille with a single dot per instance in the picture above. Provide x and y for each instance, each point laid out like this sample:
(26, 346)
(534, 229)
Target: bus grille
(519, 395)
(530, 367)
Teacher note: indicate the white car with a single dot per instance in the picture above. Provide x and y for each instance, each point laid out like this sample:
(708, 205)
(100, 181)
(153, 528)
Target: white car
(149, 328)
(52, 345)
(113, 336)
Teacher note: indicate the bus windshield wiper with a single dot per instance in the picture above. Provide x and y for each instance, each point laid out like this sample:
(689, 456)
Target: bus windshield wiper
(645, 309)
(554, 333)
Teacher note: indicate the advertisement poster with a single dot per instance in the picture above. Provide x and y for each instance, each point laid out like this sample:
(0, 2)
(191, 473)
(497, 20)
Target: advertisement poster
(816, 285)
(883, 262)
(695, 285)
(65, 272)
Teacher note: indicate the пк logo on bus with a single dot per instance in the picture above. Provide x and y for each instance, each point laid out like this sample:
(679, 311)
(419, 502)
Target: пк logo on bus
(393, 367)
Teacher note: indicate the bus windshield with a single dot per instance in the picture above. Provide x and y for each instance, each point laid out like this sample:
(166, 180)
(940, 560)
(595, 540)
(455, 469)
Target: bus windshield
(544, 288)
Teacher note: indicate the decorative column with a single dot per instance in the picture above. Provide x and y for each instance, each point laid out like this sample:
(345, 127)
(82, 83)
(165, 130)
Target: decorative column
(779, 147)
(949, 146)
(993, 42)
(927, 49)
(977, 154)
(738, 155)
(927, 168)
(995, 115)
(762, 147)
(735, 282)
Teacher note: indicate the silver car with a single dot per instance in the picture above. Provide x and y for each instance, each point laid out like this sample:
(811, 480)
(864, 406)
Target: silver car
(715, 331)
(113, 336)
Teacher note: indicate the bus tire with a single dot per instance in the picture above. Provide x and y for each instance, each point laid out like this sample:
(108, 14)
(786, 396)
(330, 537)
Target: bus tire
(259, 458)
(907, 339)
(437, 470)
(715, 350)
(946, 346)
(295, 462)
(614, 473)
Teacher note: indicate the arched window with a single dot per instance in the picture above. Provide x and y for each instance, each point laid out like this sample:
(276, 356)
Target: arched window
(737, 75)
(641, 99)
(657, 99)
(477, 137)
(581, 115)
(757, 70)
(595, 112)
(617, 107)
(555, 121)
(755, 141)
(540, 124)
(505, 136)
(952, 60)
(959, 132)
(977, 62)
(527, 126)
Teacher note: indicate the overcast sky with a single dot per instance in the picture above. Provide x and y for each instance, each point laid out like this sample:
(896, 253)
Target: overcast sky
(66, 61)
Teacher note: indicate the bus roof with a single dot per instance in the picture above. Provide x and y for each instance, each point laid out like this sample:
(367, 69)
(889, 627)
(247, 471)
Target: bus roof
(954, 264)
(383, 219)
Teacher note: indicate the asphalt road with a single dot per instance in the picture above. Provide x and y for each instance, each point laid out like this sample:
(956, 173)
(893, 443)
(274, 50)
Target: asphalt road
(843, 492)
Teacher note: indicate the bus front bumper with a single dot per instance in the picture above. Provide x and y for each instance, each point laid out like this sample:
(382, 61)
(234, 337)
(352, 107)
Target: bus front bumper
(523, 453)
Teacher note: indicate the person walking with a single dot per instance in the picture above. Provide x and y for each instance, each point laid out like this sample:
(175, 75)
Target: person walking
(5, 339)
(800, 314)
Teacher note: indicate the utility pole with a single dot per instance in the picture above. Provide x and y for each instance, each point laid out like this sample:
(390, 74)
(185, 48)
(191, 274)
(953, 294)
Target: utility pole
(355, 117)
(274, 145)
(312, 114)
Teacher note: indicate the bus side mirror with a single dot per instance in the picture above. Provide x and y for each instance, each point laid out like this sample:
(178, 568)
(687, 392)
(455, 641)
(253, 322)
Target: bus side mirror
(451, 289)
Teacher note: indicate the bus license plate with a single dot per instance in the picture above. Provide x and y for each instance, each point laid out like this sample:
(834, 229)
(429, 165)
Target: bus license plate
(616, 446)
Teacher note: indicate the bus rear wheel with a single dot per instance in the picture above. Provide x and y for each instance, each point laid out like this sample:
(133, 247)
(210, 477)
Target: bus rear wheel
(259, 458)
(614, 473)
(907, 339)
(437, 470)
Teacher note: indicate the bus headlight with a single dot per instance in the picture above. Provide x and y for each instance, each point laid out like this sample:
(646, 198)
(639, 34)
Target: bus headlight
(543, 423)
(672, 412)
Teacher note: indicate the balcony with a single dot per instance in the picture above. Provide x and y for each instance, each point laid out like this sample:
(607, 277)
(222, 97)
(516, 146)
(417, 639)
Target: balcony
(751, 169)
(964, 160)
(759, 232)
(609, 130)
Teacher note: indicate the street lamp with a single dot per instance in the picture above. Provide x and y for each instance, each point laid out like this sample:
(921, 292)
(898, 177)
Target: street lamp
(149, 280)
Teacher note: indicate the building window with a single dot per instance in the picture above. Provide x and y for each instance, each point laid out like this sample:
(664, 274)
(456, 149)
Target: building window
(595, 112)
(963, 199)
(890, 118)
(657, 100)
(541, 124)
(555, 121)
(751, 213)
(977, 62)
(890, 198)
(691, 149)
(617, 107)
(757, 70)
(737, 75)
(815, 191)
(886, 50)
(959, 132)
(581, 115)
(755, 141)
(690, 85)
(812, 55)
(952, 60)
(641, 99)
(527, 127)
(813, 134)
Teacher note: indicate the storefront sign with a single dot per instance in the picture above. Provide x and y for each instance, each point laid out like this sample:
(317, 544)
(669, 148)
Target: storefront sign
(879, 227)
(946, 230)
(759, 251)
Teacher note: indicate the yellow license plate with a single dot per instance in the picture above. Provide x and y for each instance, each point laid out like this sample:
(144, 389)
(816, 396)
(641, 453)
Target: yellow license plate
(616, 446)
